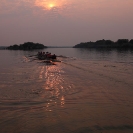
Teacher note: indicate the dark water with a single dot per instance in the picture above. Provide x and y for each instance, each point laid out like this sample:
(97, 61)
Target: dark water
(88, 91)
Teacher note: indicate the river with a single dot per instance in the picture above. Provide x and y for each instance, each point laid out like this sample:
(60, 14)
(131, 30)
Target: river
(89, 91)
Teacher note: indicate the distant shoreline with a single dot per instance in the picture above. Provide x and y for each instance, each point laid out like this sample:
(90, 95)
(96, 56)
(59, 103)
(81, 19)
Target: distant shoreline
(27, 46)
(3, 47)
(120, 43)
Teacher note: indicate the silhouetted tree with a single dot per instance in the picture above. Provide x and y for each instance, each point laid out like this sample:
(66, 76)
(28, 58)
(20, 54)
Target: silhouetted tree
(109, 42)
(27, 46)
(122, 41)
(131, 41)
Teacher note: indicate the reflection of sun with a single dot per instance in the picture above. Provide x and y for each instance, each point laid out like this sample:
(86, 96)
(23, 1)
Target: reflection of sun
(49, 4)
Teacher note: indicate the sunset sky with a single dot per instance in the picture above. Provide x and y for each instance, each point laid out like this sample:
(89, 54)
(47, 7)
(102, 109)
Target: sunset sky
(64, 22)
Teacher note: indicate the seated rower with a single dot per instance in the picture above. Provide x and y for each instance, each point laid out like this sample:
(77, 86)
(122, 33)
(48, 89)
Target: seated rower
(49, 55)
(54, 56)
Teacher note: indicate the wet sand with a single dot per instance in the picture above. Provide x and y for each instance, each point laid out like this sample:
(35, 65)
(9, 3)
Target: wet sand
(74, 96)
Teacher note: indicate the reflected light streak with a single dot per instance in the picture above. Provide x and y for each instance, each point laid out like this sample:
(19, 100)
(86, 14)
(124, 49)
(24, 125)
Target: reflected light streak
(53, 88)
(62, 101)
(41, 73)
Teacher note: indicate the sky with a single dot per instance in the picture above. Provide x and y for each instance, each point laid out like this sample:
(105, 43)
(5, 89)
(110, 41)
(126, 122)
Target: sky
(64, 22)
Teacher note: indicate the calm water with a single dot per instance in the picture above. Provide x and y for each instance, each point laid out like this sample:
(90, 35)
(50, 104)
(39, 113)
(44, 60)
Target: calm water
(88, 91)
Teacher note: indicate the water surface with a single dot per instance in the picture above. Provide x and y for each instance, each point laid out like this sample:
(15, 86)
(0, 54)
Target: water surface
(88, 91)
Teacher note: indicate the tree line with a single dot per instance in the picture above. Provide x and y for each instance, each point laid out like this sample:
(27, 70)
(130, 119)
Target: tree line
(120, 43)
(27, 46)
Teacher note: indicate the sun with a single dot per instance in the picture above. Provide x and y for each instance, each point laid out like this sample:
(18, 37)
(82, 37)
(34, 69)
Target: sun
(51, 5)
(47, 5)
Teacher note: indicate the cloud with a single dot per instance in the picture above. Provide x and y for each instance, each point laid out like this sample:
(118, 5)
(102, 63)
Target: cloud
(35, 8)
(64, 21)
(10, 7)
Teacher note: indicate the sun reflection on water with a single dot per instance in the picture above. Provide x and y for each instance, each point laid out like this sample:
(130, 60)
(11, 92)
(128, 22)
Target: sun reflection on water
(41, 73)
(53, 86)
(62, 101)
